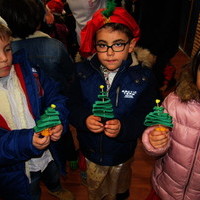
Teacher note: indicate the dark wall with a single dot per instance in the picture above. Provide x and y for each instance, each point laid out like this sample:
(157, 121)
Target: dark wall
(189, 18)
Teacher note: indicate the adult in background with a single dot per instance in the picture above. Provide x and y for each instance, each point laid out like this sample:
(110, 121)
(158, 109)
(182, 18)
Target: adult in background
(83, 10)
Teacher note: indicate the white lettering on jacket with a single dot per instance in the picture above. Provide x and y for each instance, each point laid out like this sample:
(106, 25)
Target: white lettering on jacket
(129, 94)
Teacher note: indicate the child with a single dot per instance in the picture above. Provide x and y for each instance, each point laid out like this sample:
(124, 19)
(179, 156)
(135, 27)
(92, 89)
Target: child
(109, 147)
(47, 53)
(176, 173)
(25, 156)
(58, 29)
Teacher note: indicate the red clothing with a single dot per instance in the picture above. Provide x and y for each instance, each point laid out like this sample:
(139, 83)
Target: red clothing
(60, 32)
(152, 196)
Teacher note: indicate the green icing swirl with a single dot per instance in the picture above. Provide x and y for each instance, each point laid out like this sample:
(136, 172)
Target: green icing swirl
(49, 119)
(158, 117)
(103, 107)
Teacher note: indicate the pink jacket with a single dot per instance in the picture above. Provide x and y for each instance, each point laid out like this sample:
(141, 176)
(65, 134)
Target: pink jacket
(176, 175)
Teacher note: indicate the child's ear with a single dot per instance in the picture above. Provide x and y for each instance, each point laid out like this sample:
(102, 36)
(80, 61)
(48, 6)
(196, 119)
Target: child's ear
(132, 45)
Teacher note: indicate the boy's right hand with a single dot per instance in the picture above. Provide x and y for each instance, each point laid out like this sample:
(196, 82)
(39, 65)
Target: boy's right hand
(159, 139)
(94, 125)
(40, 142)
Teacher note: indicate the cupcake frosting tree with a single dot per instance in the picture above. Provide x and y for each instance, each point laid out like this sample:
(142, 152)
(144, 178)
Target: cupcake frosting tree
(158, 117)
(103, 106)
(48, 120)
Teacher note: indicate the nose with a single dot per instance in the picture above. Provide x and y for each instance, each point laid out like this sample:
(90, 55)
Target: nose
(110, 51)
(3, 57)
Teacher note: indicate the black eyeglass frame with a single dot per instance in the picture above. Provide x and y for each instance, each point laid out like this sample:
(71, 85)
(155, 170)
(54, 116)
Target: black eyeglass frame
(111, 46)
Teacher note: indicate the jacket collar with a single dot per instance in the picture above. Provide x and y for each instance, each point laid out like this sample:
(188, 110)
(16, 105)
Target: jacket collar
(36, 34)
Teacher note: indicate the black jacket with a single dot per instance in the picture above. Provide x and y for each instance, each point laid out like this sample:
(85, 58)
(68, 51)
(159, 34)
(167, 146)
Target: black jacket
(132, 94)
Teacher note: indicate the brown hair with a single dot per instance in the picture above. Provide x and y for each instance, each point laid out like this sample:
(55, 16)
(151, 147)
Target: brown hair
(119, 27)
(186, 87)
(5, 32)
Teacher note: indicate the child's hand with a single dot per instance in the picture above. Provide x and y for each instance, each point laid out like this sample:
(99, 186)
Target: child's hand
(40, 142)
(158, 138)
(94, 125)
(112, 128)
(55, 132)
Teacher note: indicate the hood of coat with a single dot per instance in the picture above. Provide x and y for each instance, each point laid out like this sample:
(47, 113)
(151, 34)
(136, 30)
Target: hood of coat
(36, 34)
(186, 89)
(143, 57)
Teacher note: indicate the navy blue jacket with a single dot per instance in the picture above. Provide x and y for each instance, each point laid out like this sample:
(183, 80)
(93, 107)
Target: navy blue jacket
(16, 145)
(132, 94)
(51, 55)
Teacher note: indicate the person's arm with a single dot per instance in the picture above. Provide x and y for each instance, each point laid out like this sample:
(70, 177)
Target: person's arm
(17, 146)
(52, 95)
(150, 147)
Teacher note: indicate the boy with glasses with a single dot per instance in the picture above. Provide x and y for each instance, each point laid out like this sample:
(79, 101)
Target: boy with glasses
(108, 147)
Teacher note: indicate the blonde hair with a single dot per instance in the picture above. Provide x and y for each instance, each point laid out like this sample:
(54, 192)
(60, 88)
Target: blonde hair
(5, 32)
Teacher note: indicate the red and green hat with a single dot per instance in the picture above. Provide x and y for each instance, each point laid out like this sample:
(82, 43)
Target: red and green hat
(111, 14)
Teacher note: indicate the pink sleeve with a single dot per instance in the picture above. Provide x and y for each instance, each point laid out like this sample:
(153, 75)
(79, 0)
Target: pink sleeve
(149, 149)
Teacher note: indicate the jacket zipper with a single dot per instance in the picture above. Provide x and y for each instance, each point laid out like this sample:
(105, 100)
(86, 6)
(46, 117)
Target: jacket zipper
(117, 96)
(116, 104)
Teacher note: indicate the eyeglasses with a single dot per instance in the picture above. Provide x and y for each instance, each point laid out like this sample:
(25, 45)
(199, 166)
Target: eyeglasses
(116, 47)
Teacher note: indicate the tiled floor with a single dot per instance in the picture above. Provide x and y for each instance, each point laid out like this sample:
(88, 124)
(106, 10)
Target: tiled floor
(142, 165)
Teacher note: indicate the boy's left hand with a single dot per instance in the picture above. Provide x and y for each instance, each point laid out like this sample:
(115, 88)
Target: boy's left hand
(112, 128)
(55, 132)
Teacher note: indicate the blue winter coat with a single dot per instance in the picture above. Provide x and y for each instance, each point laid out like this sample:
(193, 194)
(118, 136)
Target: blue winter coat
(16, 145)
(51, 55)
(132, 94)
